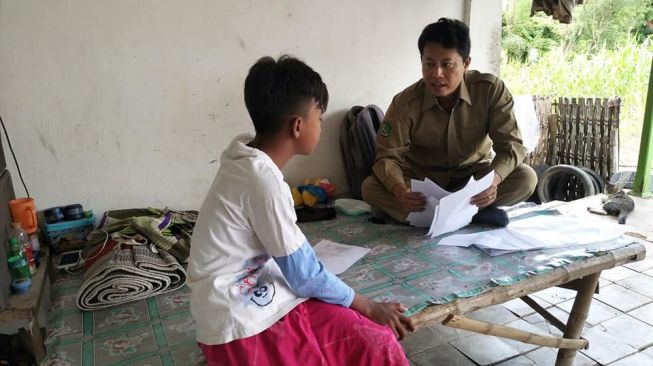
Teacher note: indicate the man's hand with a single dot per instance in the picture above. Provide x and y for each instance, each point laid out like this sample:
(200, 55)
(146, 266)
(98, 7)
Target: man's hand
(488, 196)
(389, 314)
(409, 201)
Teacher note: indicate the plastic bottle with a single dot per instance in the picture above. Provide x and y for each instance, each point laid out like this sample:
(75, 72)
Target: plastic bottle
(23, 239)
(17, 261)
(36, 248)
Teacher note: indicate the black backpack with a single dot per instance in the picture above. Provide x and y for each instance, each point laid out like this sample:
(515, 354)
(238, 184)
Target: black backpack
(357, 134)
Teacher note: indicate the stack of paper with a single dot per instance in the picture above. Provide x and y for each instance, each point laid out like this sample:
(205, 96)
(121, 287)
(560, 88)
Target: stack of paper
(446, 211)
(538, 232)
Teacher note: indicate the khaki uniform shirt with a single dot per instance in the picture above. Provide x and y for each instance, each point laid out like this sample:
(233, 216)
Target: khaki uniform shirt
(419, 139)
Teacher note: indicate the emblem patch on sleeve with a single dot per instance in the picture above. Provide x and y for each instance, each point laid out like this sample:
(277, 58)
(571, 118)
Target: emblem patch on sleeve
(385, 129)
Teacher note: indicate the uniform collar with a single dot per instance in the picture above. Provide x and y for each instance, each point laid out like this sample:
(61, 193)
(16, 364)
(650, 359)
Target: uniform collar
(431, 100)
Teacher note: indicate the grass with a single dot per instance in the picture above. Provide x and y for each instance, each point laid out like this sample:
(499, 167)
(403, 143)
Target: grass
(622, 72)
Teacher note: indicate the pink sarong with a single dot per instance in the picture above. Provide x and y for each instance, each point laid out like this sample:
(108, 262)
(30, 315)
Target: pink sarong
(313, 333)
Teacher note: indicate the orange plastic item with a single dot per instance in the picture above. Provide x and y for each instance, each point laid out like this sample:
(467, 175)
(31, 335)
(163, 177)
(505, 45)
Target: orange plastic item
(23, 210)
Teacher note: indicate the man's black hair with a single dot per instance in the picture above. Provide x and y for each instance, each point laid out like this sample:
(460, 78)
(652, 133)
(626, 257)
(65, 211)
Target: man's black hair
(276, 90)
(450, 33)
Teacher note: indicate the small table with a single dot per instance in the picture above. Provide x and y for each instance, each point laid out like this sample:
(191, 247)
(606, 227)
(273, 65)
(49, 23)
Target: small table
(586, 272)
(24, 309)
(434, 282)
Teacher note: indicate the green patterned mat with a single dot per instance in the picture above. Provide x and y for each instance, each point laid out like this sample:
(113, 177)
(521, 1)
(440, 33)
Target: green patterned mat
(155, 331)
(403, 265)
(406, 266)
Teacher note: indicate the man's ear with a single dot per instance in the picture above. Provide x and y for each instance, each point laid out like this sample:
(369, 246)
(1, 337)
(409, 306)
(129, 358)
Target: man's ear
(466, 62)
(296, 125)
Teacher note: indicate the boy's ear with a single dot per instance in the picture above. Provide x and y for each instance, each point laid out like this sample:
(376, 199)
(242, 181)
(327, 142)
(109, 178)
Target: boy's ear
(296, 124)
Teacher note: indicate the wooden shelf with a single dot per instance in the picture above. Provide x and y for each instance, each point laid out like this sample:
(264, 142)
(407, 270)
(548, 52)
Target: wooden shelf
(25, 307)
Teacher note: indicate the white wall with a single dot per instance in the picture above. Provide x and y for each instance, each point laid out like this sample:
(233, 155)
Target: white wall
(122, 103)
(485, 32)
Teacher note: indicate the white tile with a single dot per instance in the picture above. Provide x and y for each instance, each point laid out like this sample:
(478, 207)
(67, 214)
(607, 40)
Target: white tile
(520, 308)
(496, 314)
(444, 354)
(641, 266)
(521, 324)
(617, 273)
(428, 337)
(539, 321)
(640, 283)
(605, 348)
(518, 361)
(546, 356)
(638, 359)
(621, 298)
(648, 351)
(644, 313)
(649, 272)
(630, 331)
(484, 349)
(598, 311)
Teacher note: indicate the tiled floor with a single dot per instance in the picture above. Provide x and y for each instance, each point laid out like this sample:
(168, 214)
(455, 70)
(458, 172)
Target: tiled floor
(619, 326)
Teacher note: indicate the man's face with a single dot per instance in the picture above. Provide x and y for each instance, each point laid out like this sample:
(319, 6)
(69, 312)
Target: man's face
(442, 69)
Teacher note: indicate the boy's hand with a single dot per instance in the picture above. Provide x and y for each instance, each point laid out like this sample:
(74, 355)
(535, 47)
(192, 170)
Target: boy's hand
(389, 314)
(409, 201)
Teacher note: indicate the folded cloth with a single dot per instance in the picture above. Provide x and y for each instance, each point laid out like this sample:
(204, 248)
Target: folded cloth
(168, 229)
(127, 269)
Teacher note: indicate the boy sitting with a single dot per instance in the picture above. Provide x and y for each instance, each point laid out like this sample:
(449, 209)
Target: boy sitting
(251, 269)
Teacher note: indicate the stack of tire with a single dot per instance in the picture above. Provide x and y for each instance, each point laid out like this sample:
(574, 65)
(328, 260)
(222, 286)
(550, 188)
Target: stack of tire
(567, 183)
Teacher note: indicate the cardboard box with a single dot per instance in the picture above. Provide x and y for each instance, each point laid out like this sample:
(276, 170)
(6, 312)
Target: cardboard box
(6, 195)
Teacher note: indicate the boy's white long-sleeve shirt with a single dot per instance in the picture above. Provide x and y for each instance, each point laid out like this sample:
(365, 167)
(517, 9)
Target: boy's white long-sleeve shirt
(245, 231)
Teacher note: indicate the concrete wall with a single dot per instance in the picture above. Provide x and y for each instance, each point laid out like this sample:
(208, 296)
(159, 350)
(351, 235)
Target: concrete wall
(117, 104)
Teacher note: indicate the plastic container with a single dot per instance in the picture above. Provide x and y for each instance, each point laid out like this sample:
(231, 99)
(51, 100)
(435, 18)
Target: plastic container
(23, 210)
(23, 239)
(53, 215)
(73, 212)
(18, 263)
(36, 248)
(14, 247)
(71, 230)
(21, 285)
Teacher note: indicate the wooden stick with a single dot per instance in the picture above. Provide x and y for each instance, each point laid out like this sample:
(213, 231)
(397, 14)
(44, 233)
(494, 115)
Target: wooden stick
(460, 322)
(545, 313)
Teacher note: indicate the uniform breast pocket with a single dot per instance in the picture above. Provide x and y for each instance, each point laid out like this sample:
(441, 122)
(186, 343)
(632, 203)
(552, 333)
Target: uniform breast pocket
(473, 132)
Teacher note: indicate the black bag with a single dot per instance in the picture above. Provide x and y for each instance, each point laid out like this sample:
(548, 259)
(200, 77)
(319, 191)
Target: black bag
(357, 134)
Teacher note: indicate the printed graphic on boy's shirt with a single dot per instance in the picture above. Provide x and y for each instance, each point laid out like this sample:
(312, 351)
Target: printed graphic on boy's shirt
(252, 271)
(263, 294)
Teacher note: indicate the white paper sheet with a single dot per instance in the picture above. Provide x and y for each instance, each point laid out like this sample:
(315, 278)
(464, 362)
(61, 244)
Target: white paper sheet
(337, 257)
(424, 218)
(538, 232)
(446, 211)
(527, 121)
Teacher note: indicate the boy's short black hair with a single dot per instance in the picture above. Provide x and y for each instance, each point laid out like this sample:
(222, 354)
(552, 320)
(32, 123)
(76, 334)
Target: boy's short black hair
(450, 33)
(275, 90)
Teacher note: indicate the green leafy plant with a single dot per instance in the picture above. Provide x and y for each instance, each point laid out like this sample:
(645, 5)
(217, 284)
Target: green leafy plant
(607, 51)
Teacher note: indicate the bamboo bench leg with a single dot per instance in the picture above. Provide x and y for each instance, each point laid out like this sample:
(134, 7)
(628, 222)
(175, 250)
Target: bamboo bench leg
(577, 317)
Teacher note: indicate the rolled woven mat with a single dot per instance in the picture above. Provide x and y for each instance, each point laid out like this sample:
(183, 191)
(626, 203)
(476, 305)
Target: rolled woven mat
(126, 270)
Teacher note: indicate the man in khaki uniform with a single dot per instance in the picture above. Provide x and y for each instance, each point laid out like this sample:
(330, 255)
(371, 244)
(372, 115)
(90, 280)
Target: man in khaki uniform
(448, 126)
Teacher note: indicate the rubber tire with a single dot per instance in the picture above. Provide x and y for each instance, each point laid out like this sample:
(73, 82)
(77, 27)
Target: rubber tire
(600, 183)
(562, 174)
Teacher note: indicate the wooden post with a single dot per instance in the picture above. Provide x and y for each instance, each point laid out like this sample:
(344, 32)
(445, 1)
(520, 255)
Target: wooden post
(642, 184)
(577, 317)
